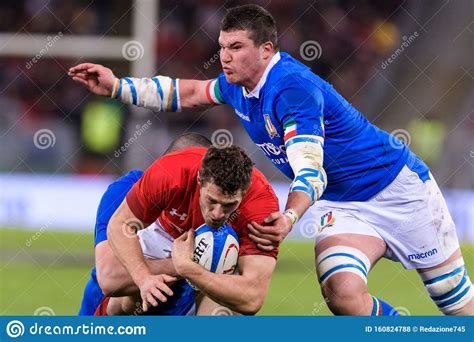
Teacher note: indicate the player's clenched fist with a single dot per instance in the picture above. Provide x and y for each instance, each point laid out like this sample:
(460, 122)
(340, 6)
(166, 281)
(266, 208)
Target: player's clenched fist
(95, 77)
(152, 289)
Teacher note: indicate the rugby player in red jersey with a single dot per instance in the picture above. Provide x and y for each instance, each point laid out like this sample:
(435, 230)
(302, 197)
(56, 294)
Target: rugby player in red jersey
(180, 192)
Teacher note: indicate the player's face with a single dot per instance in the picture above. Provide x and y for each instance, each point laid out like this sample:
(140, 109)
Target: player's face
(216, 207)
(243, 63)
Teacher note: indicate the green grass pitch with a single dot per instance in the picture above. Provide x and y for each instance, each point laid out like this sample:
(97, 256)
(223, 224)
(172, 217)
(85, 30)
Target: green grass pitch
(49, 269)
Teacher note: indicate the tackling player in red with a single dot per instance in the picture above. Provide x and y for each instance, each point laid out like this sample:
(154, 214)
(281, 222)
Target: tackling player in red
(180, 192)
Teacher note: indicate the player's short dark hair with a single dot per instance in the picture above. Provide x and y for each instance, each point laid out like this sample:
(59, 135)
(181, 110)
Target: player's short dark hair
(230, 168)
(255, 19)
(187, 140)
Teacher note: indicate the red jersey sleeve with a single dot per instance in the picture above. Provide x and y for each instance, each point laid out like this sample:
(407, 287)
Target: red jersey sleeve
(148, 196)
(259, 202)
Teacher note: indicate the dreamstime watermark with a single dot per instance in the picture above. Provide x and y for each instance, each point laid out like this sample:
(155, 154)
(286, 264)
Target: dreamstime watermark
(44, 311)
(133, 50)
(222, 138)
(399, 138)
(309, 228)
(407, 41)
(44, 50)
(212, 60)
(37, 235)
(317, 307)
(16, 328)
(140, 129)
(131, 227)
(44, 139)
(310, 50)
(402, 311)
(222, 311)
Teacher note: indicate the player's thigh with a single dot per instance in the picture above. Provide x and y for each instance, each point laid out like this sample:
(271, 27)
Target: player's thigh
(346, 249)
(205, 306)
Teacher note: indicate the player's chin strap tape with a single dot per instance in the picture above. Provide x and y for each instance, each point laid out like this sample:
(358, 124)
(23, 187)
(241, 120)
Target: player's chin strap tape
(449, 286)
(159, 93)
(305, 154)
(342, 259)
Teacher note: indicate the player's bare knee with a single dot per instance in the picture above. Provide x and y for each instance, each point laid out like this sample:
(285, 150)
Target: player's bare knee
(344, 293)
(450, 288)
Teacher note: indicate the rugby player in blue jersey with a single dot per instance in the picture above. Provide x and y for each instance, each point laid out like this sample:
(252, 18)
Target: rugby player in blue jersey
(109, 277)
(373, 197)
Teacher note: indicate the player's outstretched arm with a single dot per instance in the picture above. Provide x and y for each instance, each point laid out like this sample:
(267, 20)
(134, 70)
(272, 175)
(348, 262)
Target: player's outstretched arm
(244, 293)
(95, 77)
(126, 247)
(114, 279)
(159, 93)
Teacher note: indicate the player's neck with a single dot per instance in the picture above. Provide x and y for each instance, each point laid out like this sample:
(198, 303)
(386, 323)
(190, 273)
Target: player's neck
(253, 82)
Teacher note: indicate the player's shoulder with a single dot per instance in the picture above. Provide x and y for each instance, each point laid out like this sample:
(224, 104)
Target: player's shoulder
(259, 186)
(290, 72)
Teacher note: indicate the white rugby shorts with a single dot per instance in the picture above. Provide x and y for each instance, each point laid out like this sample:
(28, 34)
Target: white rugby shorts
(410, 215)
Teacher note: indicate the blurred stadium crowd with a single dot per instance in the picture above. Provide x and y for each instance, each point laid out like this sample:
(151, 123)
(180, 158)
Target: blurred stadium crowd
(356, 38)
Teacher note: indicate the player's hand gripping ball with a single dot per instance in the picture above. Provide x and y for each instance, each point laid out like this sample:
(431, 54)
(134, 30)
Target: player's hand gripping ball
(217, 250)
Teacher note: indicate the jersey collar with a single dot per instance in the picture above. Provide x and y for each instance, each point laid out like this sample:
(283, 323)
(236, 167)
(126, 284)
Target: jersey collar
(256, 91)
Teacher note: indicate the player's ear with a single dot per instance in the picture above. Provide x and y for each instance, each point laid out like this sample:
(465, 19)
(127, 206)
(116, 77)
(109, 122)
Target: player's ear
(267, 49)
(199, 179)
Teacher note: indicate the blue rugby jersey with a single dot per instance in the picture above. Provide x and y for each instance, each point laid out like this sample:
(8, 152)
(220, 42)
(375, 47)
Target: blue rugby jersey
(183, 295)
(360, 159)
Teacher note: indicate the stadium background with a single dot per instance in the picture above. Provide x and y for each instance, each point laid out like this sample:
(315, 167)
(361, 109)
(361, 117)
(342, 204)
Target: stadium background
(407, 65)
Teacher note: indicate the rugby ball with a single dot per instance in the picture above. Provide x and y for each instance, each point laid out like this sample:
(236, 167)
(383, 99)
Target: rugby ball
(216, 249)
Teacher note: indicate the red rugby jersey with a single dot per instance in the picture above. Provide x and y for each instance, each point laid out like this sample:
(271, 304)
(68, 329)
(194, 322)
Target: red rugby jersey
(169, 191)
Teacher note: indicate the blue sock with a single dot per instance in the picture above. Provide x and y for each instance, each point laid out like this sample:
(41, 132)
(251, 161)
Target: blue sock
(382, 308)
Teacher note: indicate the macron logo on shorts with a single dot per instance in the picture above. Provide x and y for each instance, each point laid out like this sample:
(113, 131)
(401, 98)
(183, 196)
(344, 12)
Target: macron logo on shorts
(418, 256)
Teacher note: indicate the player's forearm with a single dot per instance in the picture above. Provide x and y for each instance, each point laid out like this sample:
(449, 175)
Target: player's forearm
(299, 202)
(236, 292)
(127, 248)
(161, 93)
(115, 281)
(305, 155)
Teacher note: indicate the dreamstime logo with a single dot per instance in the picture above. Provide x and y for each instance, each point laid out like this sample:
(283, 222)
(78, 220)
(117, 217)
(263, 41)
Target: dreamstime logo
(403, 311)
(15, 328)
(222, 138)
(399, 138)
(132, 50)
(222, 311)
(309, 228)
(310, 50)
(44, 311)
(131, 227)
(44, 138)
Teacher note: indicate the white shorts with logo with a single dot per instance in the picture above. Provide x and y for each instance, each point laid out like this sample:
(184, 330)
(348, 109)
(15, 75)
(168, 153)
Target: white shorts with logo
(409, 215)
(156, 243)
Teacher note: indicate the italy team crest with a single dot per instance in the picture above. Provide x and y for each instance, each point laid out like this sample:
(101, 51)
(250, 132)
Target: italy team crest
(271, 130)
(327, 220)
